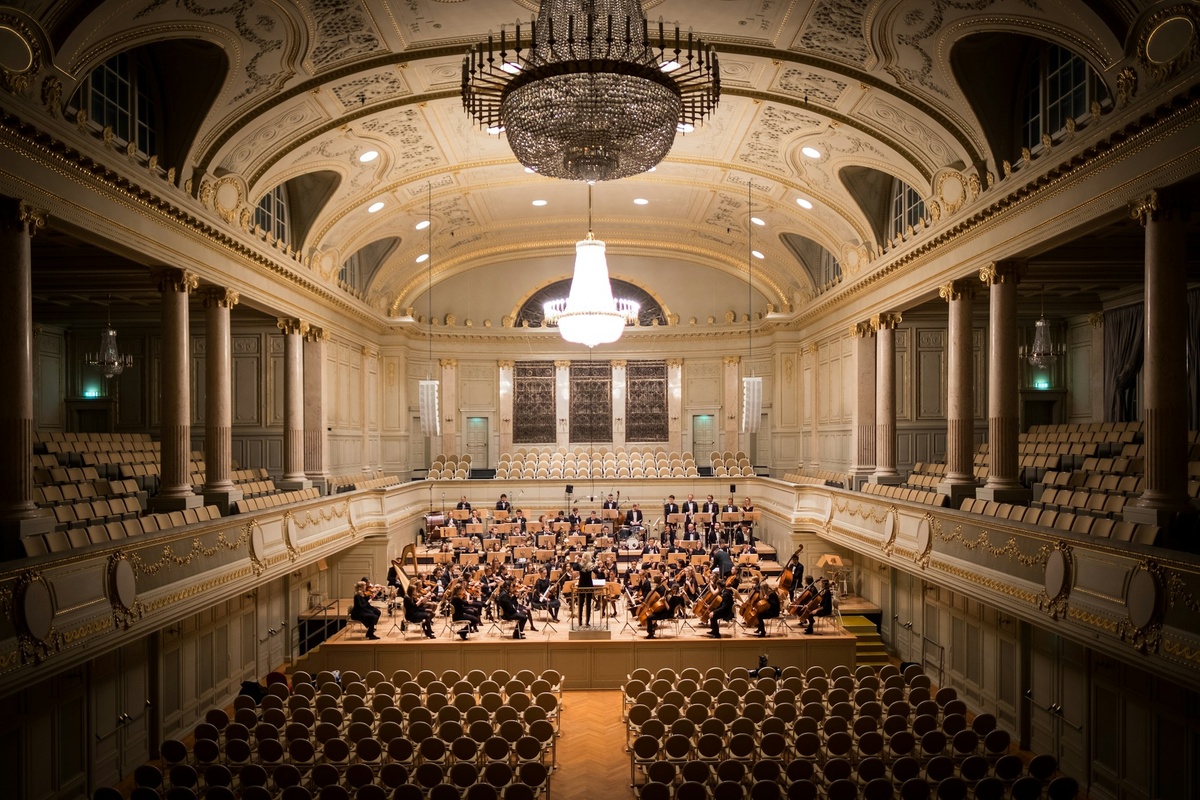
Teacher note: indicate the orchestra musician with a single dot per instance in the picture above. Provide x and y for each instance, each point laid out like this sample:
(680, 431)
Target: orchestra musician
(463, 505)
(363, 611)
(633, 517)
(690, 534)
(518, 521)
(545, 594)
(670, 507)
(415, 611)
(502, 504)
(722, 561)
(673, 600)
(574, 518)
(610, 503)
(804, 595)
(593, 519)
(464, 612)
(393, 576)
(711, 509)
(725, 609)
(821, 606)
(772, 610)
(748, 526)
(510, 610)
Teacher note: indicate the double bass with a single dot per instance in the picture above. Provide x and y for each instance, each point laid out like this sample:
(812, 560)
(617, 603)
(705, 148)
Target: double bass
(789, 574)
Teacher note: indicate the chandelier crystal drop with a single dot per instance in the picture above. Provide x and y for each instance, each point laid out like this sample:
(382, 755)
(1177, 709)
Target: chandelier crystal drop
(108, 359)
(590, 91)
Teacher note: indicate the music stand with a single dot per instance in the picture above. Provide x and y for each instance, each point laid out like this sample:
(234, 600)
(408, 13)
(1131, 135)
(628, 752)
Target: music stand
(610, 513)
(631, 617)
(393, 602)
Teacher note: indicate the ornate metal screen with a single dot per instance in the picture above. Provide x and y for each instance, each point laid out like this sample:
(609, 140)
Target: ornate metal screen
(533, 402)
(591, 402)
(646, 401)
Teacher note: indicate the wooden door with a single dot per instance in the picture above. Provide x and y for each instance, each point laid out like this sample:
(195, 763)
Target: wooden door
(704, 438)
(477, 441)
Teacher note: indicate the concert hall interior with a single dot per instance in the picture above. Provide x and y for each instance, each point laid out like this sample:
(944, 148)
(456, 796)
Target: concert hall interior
(900, 296)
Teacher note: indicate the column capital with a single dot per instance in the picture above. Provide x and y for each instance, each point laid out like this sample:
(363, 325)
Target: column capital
(1096, 319)
(1160, 205)
(315, 334)
(562, 364)
(368, 351)
(292, 326)
(731, 360)
(506, 363)
(888, 320)
(617, 362)
(20, 216)
(674, 362)
(172, 279)
(961, 289)
(861, 330)
(447, 362)
(995, 272)
(811, 349)
(219, 297)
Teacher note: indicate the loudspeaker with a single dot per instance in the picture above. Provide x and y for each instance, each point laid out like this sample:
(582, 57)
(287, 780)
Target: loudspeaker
(431, 419)
(570, 489)
(733, 488)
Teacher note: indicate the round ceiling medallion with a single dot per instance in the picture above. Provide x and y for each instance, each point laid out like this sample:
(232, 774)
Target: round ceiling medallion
(15, 53)
(1058, 574)
(1143, 599)
(37, 609)
(122, 583)
(1169, 40)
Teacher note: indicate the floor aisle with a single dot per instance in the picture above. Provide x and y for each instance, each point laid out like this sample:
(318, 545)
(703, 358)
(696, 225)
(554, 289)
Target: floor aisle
(592, 762)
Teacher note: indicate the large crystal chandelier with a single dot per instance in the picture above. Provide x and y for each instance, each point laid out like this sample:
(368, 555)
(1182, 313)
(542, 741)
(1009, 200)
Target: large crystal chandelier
(591, 92)
(1044, 351)
(108, 359)
(590, 315)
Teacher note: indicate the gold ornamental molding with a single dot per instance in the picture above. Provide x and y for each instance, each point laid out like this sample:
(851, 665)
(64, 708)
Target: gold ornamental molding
(170, 279)
(34, 219)
(506, 363)
(995, 272)
(961, 289)
(886, 321)
(197, 550)
(618, 363)
(291, 326)
(25, 53)
(1168, 41)
(219, 297)
(1057, 580)
(983, 543)
(1146, 602)
(315, 334)
(861, 330)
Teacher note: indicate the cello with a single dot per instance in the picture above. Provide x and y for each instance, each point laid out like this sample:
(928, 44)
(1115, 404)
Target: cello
(755, 604)
(653, 604)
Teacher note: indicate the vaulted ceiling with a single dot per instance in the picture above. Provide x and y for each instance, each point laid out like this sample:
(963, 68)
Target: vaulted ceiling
(307, 88)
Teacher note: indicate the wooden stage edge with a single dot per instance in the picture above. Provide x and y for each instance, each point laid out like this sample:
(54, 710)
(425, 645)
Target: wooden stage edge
(586, 664)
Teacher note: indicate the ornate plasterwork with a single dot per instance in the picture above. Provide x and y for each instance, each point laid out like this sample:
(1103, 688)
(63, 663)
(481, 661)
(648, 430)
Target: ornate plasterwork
(1057, 582)
(765, 146)
(921, 137)
(835, 29)
(1176, 19)
(343, 31)
(813, 85)
(369, 88)
(17, 75)
(262, 139)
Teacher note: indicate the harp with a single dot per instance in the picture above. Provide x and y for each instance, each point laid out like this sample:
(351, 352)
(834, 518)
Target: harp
(408, 554)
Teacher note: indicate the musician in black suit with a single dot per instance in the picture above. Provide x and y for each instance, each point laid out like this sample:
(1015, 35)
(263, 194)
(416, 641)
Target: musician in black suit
(593, 519)
(574, 518)
(463, 505)
(502, 504)
(463, 611)
(416, 613)
(722, 562)
(543, 597)
(363, 611)
(724, 610)
(669, 508)
(711, 509)
(772, 611)
(610, 503)
(690, 506)
(823, 609)
(518, 521)
(672, 602)
(633, 517)
(586, 581)
(509, 610)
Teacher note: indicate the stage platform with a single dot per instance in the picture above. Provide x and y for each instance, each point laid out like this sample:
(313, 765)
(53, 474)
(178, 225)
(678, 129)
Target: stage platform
(587, 664)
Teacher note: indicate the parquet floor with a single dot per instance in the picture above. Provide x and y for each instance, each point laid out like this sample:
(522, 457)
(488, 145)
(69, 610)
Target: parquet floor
(592, 762)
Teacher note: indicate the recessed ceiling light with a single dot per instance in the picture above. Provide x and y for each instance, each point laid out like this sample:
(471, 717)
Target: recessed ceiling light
(539, 203)
(811, 152)
(423, 224)
(370, 155)
(531, 170)
(685, 127)
(641, 201)
(511, 67)
(371, 209)
(757, 254)
(495, 130)
(421, 259)
(757, 221)
(669, 66)
(800, 201)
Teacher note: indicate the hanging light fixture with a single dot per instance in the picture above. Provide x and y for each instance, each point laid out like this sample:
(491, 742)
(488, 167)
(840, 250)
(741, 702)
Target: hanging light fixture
(751, 386)
(427, 390)
(108, 360)
(590, 315)
(1044, 351)
(590, 94)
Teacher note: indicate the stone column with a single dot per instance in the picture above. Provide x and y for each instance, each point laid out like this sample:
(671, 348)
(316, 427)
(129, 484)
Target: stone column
(732, 405)
(814, 403)
(1004, 425)
(863, 426)
(959, 482)
(294, 331)
(1164, 214)
(316, 437)
(219, 489)
(562, 403)
(1096, 320)
(506, 405)
(619, 386)
(449, 405)
(18, 514)
(175, 480)
(885, 399)
(674, 404)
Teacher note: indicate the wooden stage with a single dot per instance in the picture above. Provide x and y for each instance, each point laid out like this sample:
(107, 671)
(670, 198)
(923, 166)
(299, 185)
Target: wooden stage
(586, 663)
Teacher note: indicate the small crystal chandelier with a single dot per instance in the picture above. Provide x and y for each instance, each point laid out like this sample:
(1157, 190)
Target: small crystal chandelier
(108, 360)
(590, 315)
(591, 94)
(1044, 351)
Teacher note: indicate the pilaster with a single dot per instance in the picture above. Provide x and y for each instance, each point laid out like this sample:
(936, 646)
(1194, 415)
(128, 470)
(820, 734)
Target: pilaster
(862, 448)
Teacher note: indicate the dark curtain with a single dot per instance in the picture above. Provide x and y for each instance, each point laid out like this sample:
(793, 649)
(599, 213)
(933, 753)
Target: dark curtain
(1193, 359)
(1124, 338)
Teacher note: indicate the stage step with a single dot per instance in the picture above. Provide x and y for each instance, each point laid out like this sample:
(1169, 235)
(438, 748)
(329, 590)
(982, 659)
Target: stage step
(869, 648)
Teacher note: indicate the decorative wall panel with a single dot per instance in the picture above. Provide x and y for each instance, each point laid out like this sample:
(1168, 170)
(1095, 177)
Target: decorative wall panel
(591, 402)
(533, 402)
(646, 401)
